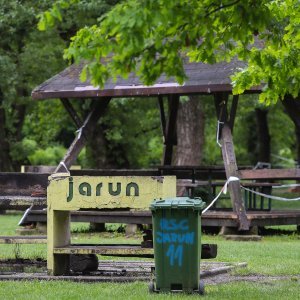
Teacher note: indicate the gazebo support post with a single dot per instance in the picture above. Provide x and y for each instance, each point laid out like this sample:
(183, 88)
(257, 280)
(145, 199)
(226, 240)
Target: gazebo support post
(80, 140)
(170, 130)
(162, 115)
(71, 111)
(229, 158)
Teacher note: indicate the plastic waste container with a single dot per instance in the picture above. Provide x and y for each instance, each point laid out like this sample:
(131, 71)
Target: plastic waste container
(177, 244)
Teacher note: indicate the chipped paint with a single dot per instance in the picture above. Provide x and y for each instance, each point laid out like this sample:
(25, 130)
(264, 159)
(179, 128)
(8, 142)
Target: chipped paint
(137, 192)
(66, 193)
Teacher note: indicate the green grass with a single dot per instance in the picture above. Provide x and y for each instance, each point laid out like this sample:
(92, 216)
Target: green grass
(274, 255)
(287, 289)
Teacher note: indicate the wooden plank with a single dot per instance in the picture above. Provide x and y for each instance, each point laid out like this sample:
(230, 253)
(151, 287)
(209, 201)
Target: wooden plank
(23, 239)
(210, 218)
(25, 184)
(162, 115)
(233, 110)
(170, 140)
(112, 249)
(80, 140)
(106, 192)
(221, 100)
(270, 174)
(116, 172)
(231, 170)
(21, 202)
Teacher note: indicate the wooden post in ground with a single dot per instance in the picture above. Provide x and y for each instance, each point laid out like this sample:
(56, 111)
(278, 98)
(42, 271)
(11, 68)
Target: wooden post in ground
(232, 170)
(58, 235)
(227, 148)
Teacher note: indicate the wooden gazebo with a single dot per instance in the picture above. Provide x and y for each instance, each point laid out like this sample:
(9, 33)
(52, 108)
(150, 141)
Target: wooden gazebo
(202, 79)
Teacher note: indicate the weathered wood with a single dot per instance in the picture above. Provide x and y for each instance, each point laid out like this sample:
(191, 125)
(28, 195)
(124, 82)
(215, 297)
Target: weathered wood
(232, 170)
(38, 239)
(21, 202)
(221, 100)
(162, 115)
(270, 174)
(80, 140)
(24, 184)
(233, 110)
(170, 140)
(73, 114)
(128, 192)
(108, 249)
(58, 235)
(210, 218)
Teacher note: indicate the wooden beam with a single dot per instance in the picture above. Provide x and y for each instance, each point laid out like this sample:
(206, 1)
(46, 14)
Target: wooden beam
(270, 174)
(73, 114)
(221, 100)
(170, 140)
(232, 170)
(80, 140)
(233, 110)
(162, 115)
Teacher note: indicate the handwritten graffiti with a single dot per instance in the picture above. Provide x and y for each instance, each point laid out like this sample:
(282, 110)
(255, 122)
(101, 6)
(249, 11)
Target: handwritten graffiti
(175, 253)
(113, 189)
(175, 234)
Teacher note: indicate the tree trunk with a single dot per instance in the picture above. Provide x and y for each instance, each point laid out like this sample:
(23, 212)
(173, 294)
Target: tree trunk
(263, 135)
(190, 135)
(190, 132)
(5, 159)
(292, 108)
(103, 154)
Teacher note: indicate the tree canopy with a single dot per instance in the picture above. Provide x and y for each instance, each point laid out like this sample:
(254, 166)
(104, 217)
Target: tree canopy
(153, 37)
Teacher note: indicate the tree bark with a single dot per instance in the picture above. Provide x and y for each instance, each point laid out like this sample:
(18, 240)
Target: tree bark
(263, 135)
(101, 154)
(292, 108)
(190, 132)
(5, 159)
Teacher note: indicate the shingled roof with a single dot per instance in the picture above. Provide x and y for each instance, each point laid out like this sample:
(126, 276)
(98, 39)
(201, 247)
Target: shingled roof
(202, 79)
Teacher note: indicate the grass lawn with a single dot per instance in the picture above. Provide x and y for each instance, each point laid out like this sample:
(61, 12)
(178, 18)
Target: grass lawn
(274, 255)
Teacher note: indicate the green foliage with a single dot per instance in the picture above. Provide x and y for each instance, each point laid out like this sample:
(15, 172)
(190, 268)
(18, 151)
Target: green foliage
(49, 156)
(27, 58)
(152, 37)
(277, 63)
(133, 125)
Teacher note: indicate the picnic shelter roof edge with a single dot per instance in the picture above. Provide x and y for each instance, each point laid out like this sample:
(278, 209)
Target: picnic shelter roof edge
(201, 79)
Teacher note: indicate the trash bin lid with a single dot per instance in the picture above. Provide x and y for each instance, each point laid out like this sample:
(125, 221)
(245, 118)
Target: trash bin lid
(178, 203)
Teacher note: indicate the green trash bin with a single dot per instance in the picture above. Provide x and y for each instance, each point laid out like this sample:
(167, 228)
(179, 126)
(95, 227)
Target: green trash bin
(177, 244)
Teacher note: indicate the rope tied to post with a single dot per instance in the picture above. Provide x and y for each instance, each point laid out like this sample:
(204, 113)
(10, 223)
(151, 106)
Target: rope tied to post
(79, 132)
(223, 190)
(218, 133)
(64, 165)
(233, 178)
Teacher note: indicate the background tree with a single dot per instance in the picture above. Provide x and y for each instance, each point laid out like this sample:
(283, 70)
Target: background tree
(153, 37)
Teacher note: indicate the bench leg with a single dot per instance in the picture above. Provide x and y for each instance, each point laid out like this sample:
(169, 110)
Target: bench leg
(58, 235)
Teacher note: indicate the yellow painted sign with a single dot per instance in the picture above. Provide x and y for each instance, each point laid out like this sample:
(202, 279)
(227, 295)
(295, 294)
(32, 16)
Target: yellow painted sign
(80, 192)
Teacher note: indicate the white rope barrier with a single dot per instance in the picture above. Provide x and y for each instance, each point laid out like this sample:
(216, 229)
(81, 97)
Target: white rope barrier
(79, 131)
(223, 190)
(218, 133)
(270, 196)
(64, 165)
(232, 178)
(286, 186)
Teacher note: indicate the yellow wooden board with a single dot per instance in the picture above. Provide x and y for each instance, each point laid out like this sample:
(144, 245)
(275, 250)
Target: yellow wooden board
(81, 192)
